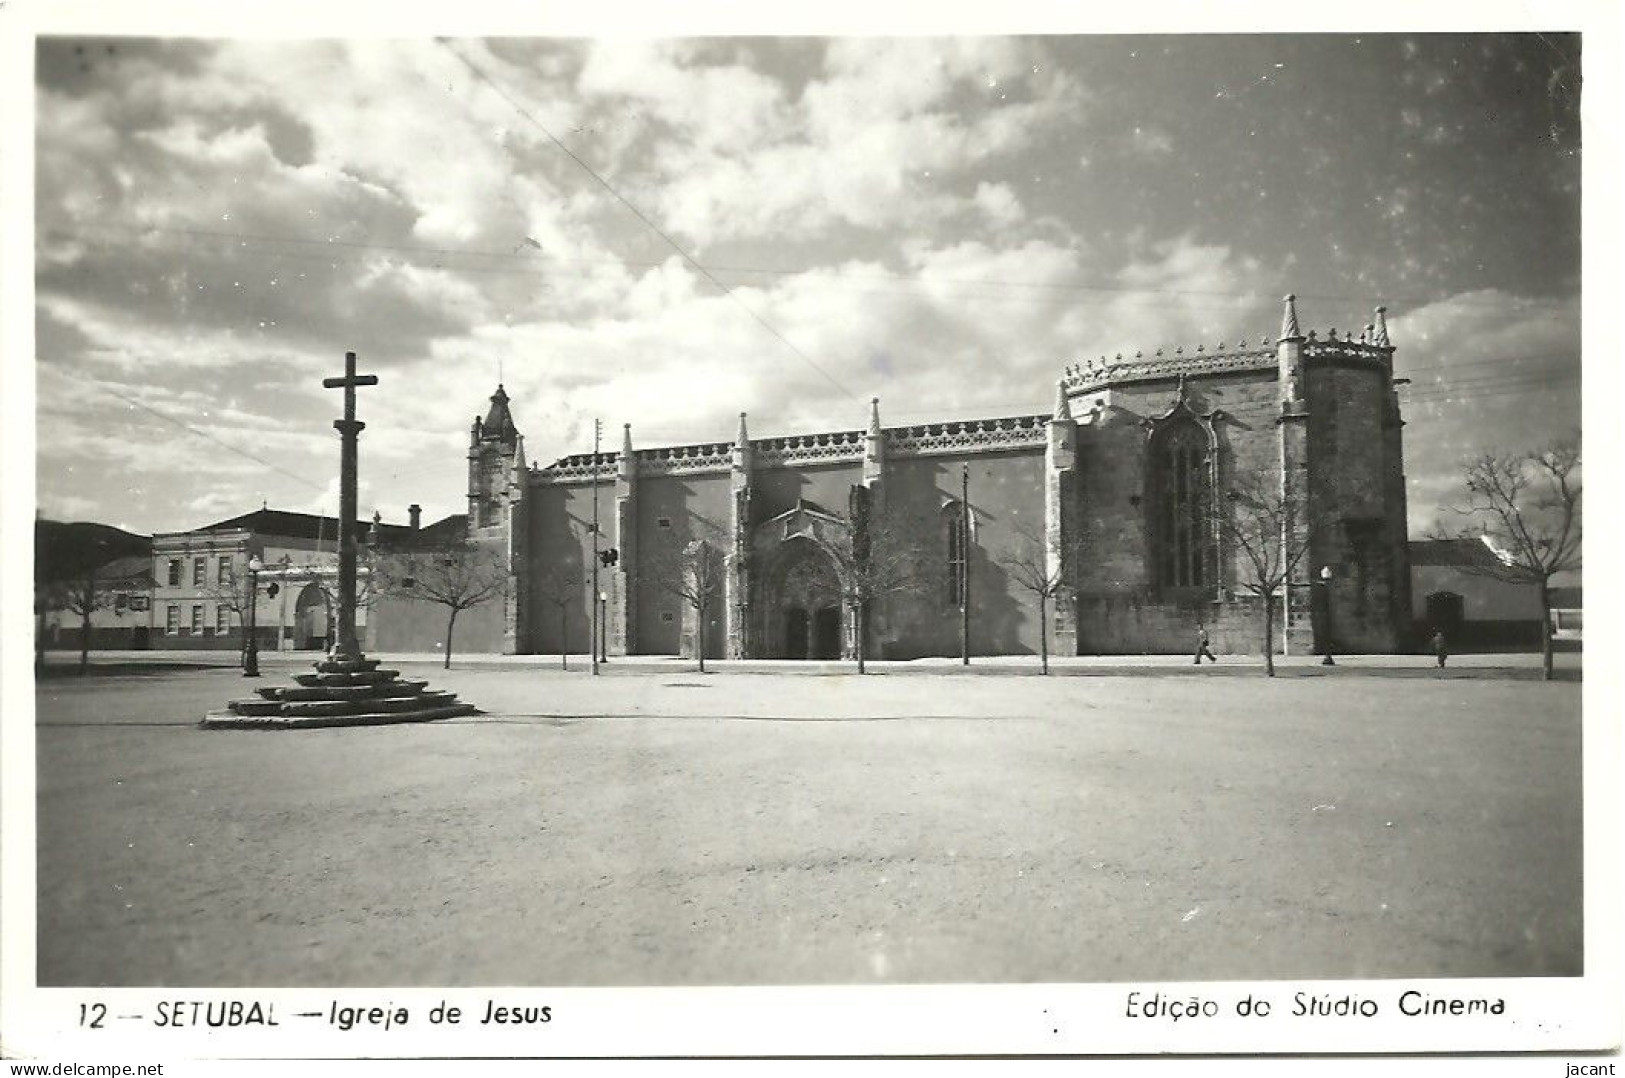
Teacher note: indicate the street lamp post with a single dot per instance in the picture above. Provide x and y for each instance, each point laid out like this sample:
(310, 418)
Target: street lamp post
(1326, 615)
(964, 564)
(592, 633)
(251, 651)
(603, 627)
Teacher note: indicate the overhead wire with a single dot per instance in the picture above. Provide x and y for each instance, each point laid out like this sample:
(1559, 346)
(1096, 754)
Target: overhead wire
(528, 266)
(181, 423)
(694, 263)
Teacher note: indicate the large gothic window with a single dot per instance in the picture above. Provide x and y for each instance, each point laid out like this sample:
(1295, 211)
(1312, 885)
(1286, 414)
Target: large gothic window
(1182, 496)
(953, 524)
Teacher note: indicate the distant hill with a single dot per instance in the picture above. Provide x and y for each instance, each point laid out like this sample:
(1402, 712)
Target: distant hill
(67, 550)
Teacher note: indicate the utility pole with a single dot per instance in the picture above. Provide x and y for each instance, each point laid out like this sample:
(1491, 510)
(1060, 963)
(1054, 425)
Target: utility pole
(964, 564)
(597, 429)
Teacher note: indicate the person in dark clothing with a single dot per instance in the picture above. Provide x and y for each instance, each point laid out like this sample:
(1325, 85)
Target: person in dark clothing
(1440, 648)
(1201, 645)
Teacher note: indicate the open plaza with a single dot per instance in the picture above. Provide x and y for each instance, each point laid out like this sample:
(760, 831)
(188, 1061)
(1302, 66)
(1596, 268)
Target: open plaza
(1124, 819)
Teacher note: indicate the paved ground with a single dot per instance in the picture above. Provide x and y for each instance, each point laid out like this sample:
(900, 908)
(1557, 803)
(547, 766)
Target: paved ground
(756, 826)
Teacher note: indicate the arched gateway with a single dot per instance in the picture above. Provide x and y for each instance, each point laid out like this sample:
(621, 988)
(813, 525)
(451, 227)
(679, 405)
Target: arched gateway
(803, 604)
(797, 600)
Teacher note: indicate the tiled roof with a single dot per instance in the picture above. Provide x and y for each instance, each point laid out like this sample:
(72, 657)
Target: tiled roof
(1452, 552)
(132, 568)
(280, 522)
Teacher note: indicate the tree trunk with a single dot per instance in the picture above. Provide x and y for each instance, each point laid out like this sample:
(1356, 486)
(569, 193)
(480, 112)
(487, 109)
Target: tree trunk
(451, 623)
(699, 634)
(1269, 636)
(857, 630)
(1043, 634)
(90, 594)
(564, 637)
(1545, 630)
(242, 654)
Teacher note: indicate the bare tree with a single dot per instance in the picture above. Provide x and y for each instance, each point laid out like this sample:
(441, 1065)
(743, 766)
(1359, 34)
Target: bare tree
(1256, 519)
(1029, 568)
(47, 597)
(875, 557)
(69, 581)
(1527, 506)
(457, 574)
(231, 591)
(83, 594)
(561, 587)
(694, 573)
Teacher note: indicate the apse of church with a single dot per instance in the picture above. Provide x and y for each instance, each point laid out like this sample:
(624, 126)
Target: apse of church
(1118, 488)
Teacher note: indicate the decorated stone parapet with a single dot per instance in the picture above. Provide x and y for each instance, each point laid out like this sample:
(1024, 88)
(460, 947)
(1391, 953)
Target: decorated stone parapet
(970, 435)
(1347, 350)
(342, 692)
(578, 468)
(830, 447)
(1091, 375)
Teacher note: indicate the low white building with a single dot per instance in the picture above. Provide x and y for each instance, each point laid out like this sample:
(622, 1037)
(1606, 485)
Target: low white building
(1454, 589)
(200, 592)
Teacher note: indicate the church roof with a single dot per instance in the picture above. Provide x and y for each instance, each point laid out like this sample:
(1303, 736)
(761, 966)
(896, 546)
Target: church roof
(132, 570)
(498, 425)
(281, 522)
(1453, 552)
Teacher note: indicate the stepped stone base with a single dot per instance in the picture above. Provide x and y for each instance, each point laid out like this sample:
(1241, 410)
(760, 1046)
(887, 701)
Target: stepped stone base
(342, 692)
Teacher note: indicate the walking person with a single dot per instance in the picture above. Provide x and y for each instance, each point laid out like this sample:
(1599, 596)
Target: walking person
(1440, 648)
(1202, 645)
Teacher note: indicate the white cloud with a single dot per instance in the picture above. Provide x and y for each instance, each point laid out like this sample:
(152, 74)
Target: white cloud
(998, 201)
(871, 144)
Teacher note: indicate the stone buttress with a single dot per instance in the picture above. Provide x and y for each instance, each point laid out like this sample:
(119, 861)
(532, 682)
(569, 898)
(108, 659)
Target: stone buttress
(620, 579)
(736, 597)
(1061, 539)
(1293, 424)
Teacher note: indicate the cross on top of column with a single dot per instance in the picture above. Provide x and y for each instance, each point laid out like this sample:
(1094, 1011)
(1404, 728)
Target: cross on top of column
(349, 383)
(349, 429)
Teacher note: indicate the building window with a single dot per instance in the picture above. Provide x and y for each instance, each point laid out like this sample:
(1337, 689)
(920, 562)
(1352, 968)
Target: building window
(1182, 494)
(174, 572)
(662, 522)
(139, 602)
(200, 572)
(957, 540)
(222, 571)
(172, 617)
(197, 619)
(222, 620)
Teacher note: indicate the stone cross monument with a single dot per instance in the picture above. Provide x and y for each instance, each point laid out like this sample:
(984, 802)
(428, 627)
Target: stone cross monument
(347, 689)
(349, 429)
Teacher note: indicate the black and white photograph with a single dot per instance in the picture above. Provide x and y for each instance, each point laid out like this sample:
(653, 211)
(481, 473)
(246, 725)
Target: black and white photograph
(696, 505)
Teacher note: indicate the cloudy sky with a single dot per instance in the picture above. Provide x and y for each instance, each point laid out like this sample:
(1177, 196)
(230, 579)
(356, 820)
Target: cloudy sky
(668, 232)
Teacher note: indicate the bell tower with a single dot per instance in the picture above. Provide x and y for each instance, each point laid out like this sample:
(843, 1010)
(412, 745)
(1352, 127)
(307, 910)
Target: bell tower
(496, 465)
(497, 475)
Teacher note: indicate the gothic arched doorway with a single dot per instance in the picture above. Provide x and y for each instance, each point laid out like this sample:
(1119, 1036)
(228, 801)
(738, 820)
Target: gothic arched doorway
(310, 619)
(803, 604)
(826, 633)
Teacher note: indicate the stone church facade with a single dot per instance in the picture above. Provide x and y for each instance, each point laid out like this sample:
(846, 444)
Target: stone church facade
(1117, 492)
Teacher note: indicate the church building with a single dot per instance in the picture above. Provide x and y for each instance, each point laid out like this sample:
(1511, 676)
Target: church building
(1117, 495)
